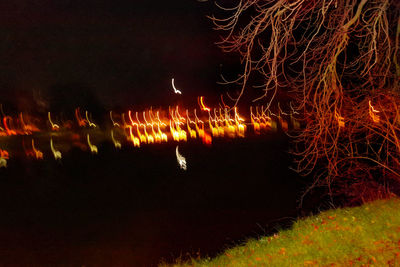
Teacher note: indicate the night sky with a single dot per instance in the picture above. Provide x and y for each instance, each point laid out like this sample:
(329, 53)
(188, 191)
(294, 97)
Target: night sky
(111, 53)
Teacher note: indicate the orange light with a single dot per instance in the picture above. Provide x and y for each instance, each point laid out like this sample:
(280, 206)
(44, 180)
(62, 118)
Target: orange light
(207, 139)
(339, 119)
(4, 154)
(37, 153)
(223, 103)
(255, 121)
(81, 122)
(372, 112)
(135, 140)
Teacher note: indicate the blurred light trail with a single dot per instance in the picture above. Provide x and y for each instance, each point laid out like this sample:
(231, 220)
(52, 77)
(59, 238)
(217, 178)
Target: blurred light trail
(37, 153)
(202, 106)
(4, 154)
(81, 122)
(176, 91)
(135, 140)
(372, 112)
(56, 153)
(339, 119)
(91, 124)
(3, 163)
(54, 127)
(92, 147)
(116, 143)
(115, 124)
(181, 160)
(7, 125)
(144, 127)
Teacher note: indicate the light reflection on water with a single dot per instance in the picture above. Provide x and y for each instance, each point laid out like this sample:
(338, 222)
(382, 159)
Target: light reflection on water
(136, 206)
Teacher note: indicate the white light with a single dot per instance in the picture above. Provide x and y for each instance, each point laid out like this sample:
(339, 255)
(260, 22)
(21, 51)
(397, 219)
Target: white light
(176, 91)
(181, 160)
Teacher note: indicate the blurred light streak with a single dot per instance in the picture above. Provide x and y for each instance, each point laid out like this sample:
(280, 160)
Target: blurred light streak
(37, 153)
(255, 121)
(3, 162)
(181, 160)
(143, 138)
(202, 106)
(92, 147)
(241, 127)
(7, 125)
(339, 119)
(223, 103)
(135, 140)
(91, 124)
(372, 112)
(294, 121)
(54, 127)
(25, 128)
(56, 153)
(4, 154)
(81, 122)
(116, 143)
(115, 124)
(155, 126)
(176, 91)
(188, 122)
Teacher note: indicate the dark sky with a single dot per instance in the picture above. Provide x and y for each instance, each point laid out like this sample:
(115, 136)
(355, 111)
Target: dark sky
(123, 53)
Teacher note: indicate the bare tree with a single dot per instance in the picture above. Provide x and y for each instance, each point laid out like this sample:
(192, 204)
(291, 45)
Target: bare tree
(339, 61)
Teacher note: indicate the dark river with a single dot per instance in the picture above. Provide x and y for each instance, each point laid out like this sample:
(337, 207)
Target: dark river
(136, 207)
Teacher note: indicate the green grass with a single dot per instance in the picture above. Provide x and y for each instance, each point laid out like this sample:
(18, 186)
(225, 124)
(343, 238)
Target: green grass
(365, 235)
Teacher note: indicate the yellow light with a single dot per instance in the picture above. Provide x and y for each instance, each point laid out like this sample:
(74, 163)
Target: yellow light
(135, 140)
(91, 124)
(3, 163)
(202, 106)
(93, 148)
(116, 143)
(56, 153)
(115, 124)
(54, 127)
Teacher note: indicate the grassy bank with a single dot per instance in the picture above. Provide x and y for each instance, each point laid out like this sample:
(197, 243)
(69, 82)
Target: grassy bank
(368, 235)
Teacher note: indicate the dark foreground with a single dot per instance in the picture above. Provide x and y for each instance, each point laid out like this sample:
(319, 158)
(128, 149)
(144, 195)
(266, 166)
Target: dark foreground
(135, 207)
